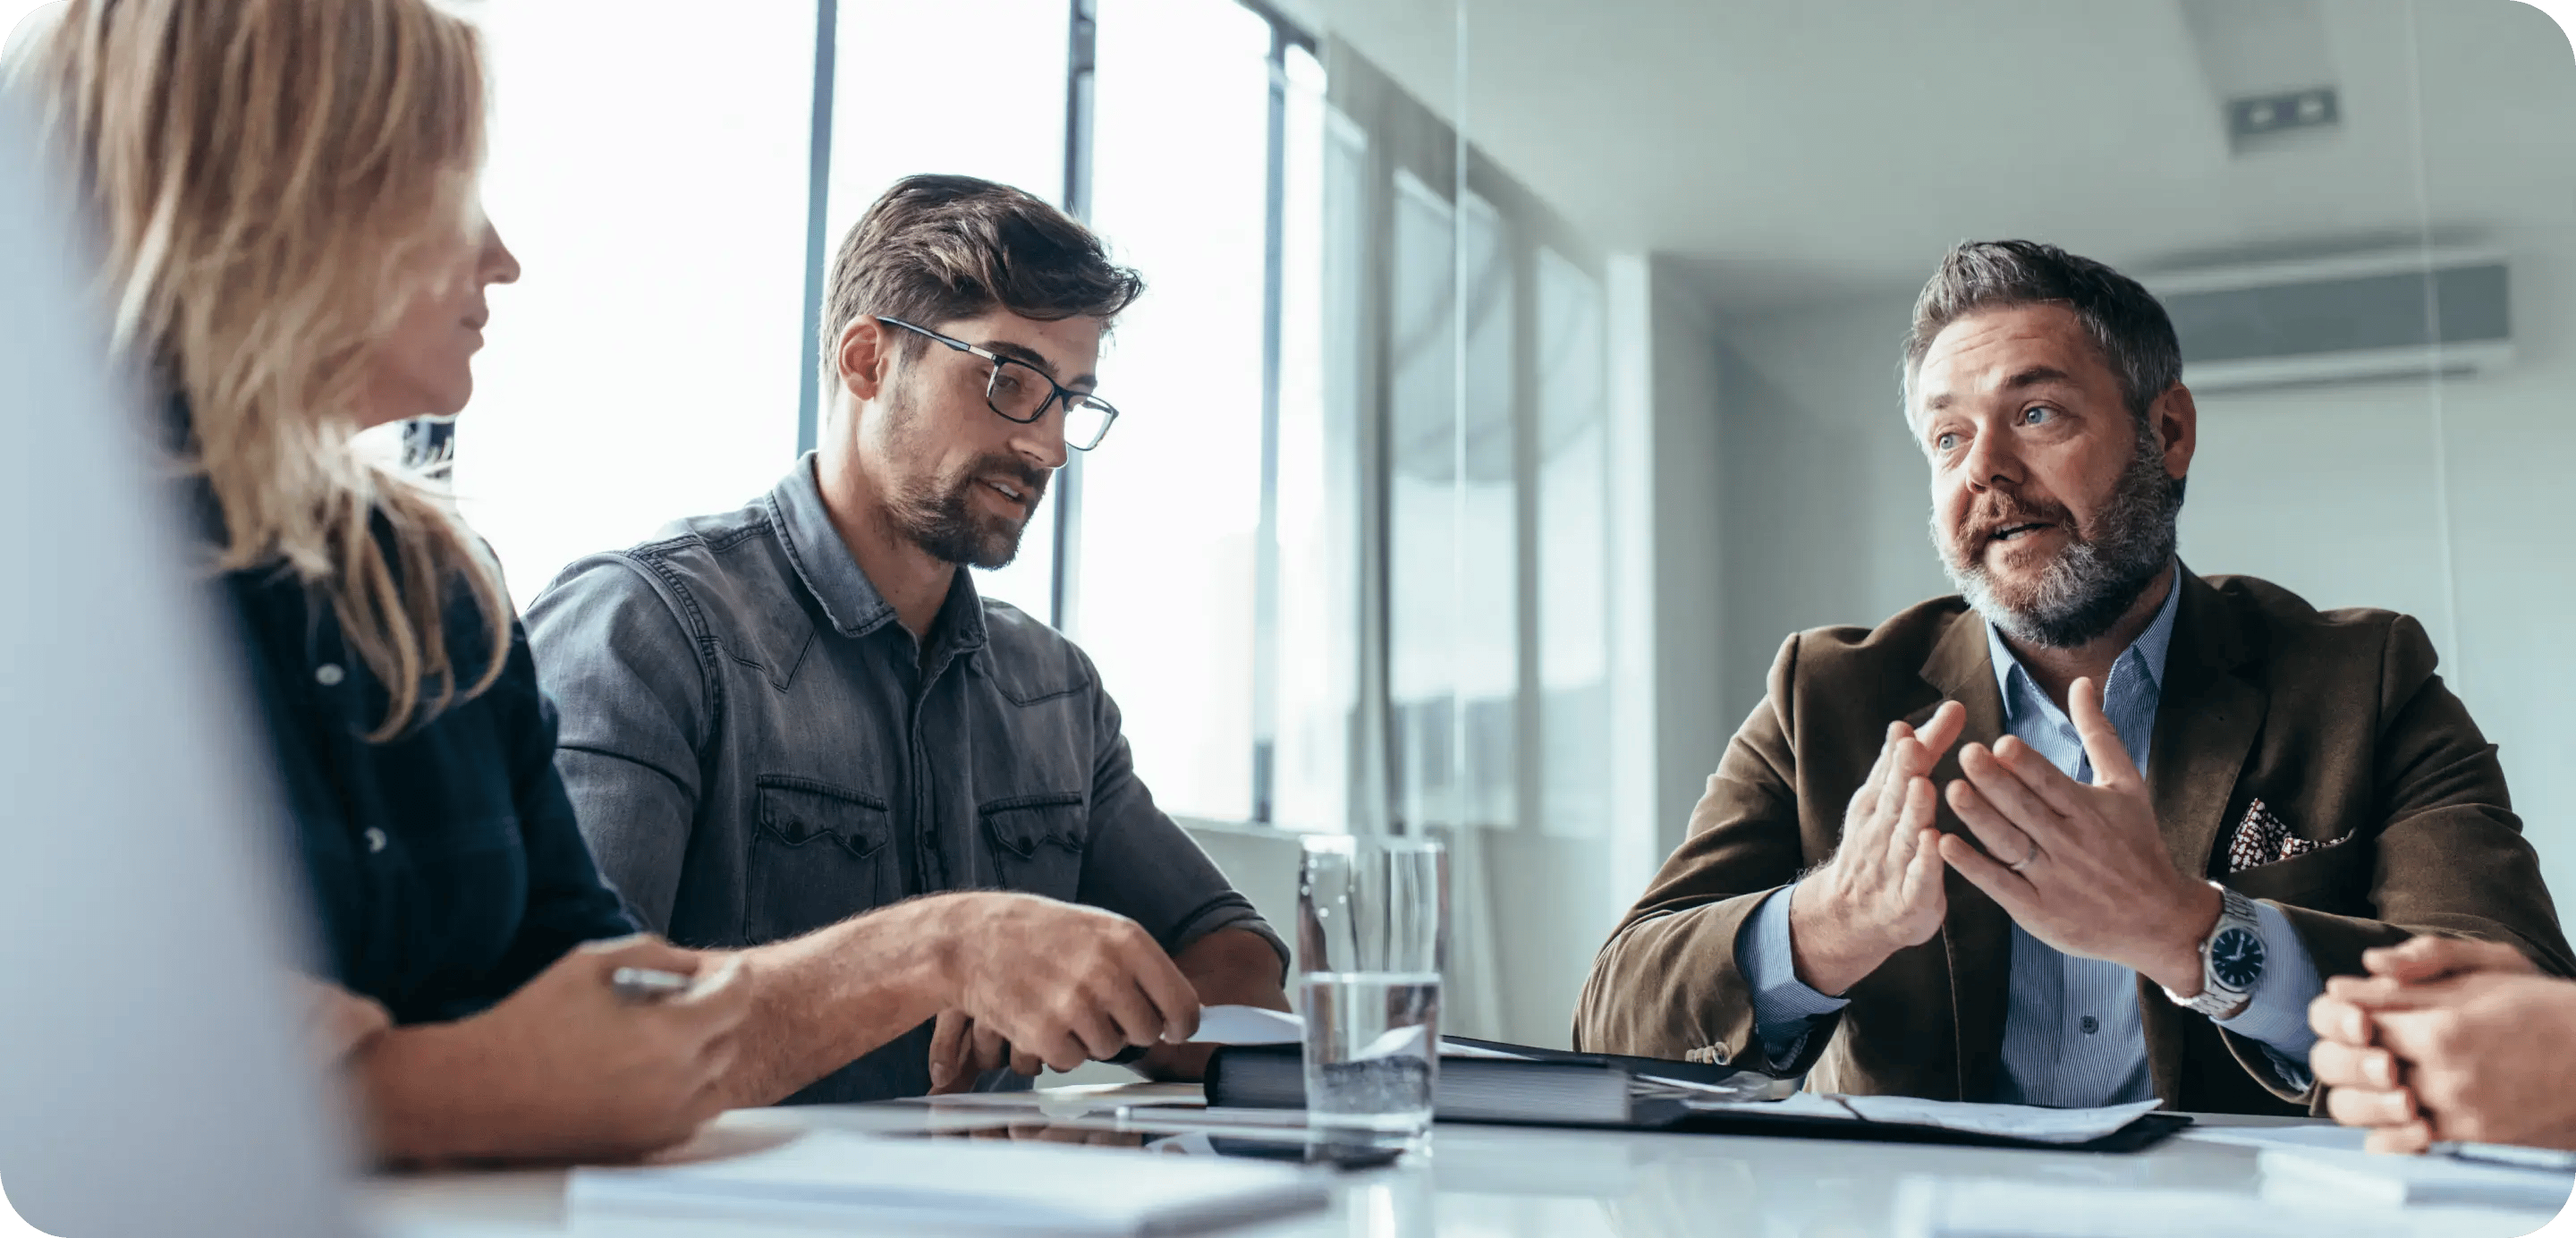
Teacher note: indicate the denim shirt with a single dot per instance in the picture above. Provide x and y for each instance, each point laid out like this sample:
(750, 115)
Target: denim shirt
(443, 864)
(758, 749)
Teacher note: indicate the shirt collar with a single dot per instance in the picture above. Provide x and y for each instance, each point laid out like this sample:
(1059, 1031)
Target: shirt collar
(831, 573)
(2149, 649)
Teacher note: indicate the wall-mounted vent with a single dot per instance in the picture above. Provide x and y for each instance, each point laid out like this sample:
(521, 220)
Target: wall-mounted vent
(2356, 317)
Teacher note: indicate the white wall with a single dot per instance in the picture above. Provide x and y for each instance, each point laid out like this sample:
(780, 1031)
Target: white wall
(2328, 491)
(1694, 512)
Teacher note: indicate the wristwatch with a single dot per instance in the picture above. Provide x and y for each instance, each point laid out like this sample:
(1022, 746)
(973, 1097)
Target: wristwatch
(2231, 960)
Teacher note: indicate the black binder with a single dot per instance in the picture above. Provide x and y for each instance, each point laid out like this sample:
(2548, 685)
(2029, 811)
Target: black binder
(1557, 1088)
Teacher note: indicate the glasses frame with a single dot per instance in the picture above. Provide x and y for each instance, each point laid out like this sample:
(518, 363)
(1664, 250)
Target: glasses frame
(1061, 394)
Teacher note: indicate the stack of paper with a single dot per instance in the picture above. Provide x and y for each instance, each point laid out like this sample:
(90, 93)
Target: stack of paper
(2410, 1180)
(2006, 1121)
(1927, 1207)
(909, 1185)
(1252, 1025)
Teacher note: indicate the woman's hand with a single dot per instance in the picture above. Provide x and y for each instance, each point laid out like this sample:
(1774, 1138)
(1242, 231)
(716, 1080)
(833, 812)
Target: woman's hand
(563, 1069)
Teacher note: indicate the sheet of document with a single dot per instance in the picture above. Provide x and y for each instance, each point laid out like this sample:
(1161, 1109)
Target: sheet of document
(1932, 1207)
(1248, 1025)
(911, 1185)
(1251, 1025)
(2010, 1121)
(2314, 1135)
(2313, 1173)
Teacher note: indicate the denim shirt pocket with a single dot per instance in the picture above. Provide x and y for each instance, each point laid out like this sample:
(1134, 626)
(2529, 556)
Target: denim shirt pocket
(1038, 841)
(819, 855)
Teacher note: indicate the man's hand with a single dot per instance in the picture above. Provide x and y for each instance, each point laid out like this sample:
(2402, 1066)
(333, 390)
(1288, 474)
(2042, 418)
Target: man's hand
(2370, 1084)
(2479, 1056)
(1231, 966)
(1881, 891)
(1062, 983)
(962, 1049)
(2081, 868)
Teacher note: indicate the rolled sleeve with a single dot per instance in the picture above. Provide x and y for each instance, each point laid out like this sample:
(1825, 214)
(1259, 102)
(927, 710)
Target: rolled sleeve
(1142, 865)
(1784, 1007)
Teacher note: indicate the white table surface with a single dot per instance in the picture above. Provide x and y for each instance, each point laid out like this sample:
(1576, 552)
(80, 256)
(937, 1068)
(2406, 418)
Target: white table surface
(1493, 1182)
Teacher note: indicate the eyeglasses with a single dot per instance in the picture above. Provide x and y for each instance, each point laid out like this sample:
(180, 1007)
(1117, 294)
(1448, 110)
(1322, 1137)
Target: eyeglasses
(1022, 392)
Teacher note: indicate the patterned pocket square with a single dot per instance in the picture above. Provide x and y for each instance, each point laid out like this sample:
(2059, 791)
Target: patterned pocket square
(2264, 838)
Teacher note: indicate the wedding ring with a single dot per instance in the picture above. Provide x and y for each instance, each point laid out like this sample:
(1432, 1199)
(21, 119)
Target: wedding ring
(2025, 860)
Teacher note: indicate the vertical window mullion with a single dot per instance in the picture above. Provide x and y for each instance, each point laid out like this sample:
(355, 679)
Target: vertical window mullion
(818, 189)
(1265, 572)
(1081, 69)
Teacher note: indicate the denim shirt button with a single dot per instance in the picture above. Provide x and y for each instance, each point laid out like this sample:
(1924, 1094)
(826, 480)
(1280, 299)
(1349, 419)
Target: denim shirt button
(375, 840)
(2090, 1024)
(329, 674)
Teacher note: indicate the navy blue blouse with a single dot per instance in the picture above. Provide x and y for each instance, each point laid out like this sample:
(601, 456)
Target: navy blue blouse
(444, 867)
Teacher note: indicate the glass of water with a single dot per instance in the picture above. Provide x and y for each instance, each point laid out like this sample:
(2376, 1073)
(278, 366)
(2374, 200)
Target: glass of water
(1371, 930)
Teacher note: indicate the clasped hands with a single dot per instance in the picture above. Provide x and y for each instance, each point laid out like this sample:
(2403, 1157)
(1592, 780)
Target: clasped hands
(2448, 1038)
(2082, 868)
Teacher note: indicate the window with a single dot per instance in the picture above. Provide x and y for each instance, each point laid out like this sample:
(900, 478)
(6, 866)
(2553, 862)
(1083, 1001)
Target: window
(645, 366)
(1342, 561)
(900, 106)
(1573, 561)
(1170, 506)
(1312, 660)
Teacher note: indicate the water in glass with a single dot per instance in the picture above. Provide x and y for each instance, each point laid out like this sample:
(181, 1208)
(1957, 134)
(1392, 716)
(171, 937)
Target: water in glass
(1369, 1059)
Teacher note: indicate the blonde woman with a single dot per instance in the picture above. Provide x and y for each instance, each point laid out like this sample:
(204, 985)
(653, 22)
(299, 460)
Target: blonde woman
(285, 195)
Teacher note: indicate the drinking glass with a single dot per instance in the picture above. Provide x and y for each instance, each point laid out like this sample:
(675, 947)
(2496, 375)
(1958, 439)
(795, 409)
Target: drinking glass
(1372, 918)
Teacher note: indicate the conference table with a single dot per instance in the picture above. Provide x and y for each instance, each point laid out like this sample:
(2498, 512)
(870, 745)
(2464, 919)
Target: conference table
(1529, 1182)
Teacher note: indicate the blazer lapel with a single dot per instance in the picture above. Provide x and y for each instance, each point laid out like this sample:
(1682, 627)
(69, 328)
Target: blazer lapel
(1976, 935)
(2209, 711)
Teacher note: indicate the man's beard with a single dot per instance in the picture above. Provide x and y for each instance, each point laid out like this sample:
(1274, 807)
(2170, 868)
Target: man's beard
(2094, 579)
(939, 515)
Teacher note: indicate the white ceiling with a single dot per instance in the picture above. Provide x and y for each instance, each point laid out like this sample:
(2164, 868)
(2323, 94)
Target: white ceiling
(1790, 151)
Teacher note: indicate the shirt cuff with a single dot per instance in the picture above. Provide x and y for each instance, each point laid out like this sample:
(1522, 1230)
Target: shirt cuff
(1783, 1005)
(2277, 1017)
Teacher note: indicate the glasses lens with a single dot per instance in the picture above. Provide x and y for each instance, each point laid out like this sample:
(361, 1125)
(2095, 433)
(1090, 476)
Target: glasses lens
(1086, 422)
(1018, 391)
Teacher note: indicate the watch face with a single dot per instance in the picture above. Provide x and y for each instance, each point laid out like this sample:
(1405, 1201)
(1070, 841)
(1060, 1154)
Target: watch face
(2236, 958)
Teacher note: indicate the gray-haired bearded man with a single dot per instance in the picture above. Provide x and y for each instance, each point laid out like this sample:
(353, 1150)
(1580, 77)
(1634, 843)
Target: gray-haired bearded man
(2095, 829)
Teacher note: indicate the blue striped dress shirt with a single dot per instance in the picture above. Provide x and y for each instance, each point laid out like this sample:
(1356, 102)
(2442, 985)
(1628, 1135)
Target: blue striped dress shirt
(2072, 1035)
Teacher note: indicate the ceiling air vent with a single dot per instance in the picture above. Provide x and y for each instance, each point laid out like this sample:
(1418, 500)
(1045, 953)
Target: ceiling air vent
(2356, 317)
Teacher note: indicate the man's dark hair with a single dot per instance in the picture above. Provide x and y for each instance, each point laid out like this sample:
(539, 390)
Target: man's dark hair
(2124, 319)
(936, 249)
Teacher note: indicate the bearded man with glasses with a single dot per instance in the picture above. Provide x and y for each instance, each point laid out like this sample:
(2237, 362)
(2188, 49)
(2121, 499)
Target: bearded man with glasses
(781, 718)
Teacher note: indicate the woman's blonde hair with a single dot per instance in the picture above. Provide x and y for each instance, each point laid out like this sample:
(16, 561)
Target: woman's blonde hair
(269, 177)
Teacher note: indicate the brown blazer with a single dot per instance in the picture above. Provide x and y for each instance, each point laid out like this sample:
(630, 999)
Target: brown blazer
(2334, 720)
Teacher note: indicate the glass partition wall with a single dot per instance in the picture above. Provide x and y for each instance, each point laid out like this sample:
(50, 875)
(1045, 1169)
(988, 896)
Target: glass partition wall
(1514, 376)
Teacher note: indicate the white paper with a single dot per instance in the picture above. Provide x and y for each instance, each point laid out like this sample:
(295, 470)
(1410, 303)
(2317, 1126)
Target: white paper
(2306, 1173)
(1391, 1042)
(1928, 1207)
(912, 1185)
(2011, 1121)
(1251, 1025)
(1247, 1025)
(2330, 1137)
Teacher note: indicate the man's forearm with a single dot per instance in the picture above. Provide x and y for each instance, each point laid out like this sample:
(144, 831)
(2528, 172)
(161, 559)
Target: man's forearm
(1229, 967)
(833, 995)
